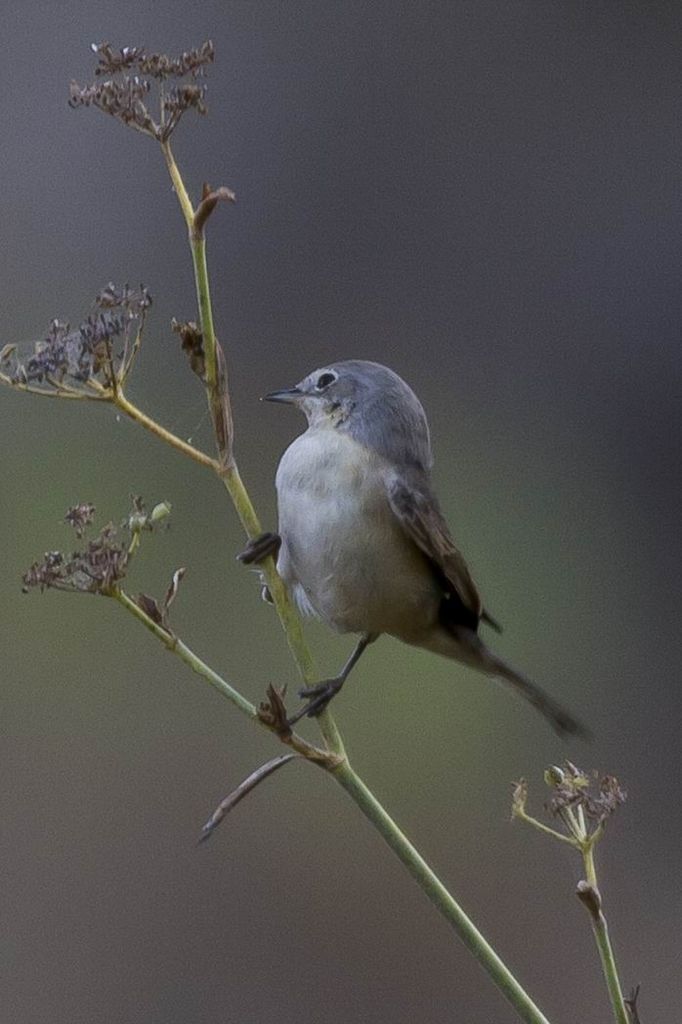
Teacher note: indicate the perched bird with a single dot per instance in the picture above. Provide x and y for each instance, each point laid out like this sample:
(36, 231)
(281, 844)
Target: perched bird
(362, 542)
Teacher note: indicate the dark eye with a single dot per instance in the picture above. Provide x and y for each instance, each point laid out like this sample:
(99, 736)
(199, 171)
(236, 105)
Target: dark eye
(324, 380)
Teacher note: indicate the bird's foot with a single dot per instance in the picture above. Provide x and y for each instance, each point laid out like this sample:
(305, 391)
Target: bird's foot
(318, 696)
(258, 549)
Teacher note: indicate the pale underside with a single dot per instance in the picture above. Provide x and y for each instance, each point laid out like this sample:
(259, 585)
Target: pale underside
(344, 555)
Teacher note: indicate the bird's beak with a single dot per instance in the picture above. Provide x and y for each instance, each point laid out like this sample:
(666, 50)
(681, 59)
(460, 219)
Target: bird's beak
(285, 395)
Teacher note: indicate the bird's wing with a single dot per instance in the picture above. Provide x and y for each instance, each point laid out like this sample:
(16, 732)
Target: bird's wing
(417, 511)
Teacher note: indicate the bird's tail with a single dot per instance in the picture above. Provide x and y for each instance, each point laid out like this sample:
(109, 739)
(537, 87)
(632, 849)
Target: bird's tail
(480, 656)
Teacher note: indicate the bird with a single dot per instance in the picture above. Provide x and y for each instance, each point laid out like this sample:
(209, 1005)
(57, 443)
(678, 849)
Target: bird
(362, 543)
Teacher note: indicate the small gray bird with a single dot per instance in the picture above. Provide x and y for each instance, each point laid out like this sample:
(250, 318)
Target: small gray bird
(362, 542)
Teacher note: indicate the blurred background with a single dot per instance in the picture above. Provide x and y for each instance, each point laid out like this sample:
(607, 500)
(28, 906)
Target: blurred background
(486, 197)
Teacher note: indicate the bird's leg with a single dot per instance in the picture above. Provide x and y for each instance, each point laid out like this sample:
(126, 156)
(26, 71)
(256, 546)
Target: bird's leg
(258, 549)
(321, 693)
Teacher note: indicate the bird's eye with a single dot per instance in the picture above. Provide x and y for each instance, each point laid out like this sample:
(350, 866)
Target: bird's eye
(324, 380)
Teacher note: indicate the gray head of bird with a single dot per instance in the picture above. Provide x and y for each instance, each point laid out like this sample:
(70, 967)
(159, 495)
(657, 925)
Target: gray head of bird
(370, 402)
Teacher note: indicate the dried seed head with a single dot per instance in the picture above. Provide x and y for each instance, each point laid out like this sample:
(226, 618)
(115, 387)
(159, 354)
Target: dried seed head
(124, 100)
(131, 71)
(572, 787)
(192, 341)
(80, 517)
(133, 300)
(91, 571)
(98, 350)
(103, 562)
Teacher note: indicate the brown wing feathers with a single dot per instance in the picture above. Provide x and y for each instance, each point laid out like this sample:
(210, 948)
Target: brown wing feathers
(417, 511)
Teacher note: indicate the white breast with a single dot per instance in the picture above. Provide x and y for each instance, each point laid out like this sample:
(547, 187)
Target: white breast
(343, 555)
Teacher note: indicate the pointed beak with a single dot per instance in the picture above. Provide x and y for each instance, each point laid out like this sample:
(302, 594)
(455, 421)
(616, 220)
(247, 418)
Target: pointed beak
(285, 395)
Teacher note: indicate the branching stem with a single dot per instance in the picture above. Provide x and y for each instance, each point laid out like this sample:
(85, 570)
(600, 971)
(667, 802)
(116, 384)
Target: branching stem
(174, 644)
(131, 410)
(602, 939)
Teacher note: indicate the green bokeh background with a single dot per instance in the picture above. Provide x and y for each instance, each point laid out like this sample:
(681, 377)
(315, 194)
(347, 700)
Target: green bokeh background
(484, 196)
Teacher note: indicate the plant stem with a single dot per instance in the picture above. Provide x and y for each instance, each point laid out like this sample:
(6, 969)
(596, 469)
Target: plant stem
(601, 935)
(287, 615)
(230, 473)
(541, 827)
(185, 654)
(439, 895)
(373, 810)
(179, 185)
(198, 246)
(322, 758)
(130, 409)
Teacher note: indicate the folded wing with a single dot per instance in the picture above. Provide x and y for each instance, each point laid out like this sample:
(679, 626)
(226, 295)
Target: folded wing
(416, 509)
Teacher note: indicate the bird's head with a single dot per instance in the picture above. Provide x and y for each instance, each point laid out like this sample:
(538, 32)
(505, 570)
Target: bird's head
(368, 401)
(334, 393)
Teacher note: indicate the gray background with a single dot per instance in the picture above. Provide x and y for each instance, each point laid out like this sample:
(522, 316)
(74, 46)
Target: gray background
(485, 196)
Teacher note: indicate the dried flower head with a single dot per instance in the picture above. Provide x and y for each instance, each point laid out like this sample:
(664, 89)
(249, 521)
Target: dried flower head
(582, 803)
(192, 341)
(572, 788)
(92, 571)
(98, 353)
(103, 562)
(80, 516)
(133, 72)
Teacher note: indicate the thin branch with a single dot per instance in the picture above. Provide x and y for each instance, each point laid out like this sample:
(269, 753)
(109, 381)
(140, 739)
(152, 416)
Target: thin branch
(591, 898)
(65, 393)
(129, 358)
(541, 827)
(439, 896)
(242, 790)
(174, 644)
(631, 1003)
(130, 409)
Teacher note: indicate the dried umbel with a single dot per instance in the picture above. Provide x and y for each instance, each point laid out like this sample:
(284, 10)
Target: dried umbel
(103, 562)
(94, 356)
(572, 788)
(581, 802)
(135, 76)
(94, 570)
(80, 516)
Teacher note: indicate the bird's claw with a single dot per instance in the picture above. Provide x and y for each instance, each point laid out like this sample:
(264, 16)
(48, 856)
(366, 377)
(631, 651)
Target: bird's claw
(259, 548)
(318, 697)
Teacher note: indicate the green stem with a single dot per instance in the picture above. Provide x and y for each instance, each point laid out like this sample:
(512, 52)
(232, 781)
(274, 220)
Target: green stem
(439, 895)
(372, 809)
(130, 409)
(229, 474)
(541, 827)
(198, 246)
(601, 935)
(185, 654)
(290, 621)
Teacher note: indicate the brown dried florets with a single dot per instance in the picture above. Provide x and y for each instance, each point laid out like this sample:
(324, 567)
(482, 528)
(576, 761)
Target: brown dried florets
(80, 516)
(91, 571)
(598, 797)
(99, 350)
(125, 94)
(103, 562)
